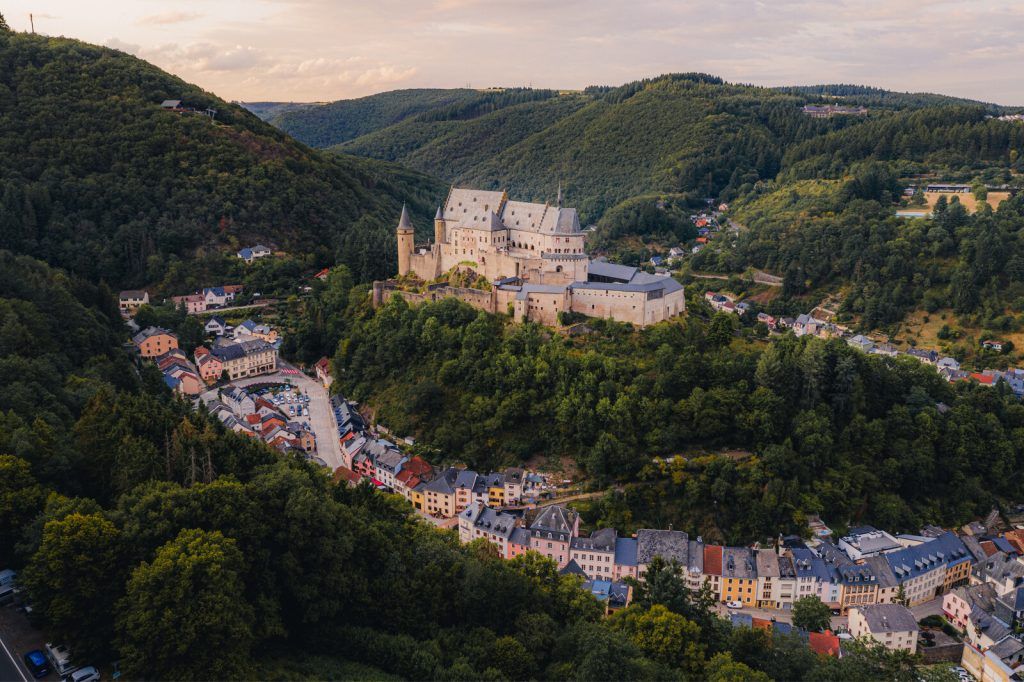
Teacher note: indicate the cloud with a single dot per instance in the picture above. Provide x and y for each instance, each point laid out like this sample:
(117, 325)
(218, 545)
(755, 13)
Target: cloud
(166, 18)
(118, 44)
(204, 57)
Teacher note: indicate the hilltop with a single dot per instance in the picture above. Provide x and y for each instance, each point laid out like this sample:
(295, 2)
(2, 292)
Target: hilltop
(688, 134)
(97, 178)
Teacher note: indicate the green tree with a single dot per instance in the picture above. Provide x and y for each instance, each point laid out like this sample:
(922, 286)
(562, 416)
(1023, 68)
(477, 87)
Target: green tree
(662, 635)
(722, 668)
(184, 615)
(21, 498)
(3, 24)
(75, 577)
(811, 614)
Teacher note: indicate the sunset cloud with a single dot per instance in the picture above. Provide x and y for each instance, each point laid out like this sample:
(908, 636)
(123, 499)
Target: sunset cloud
(328, 49)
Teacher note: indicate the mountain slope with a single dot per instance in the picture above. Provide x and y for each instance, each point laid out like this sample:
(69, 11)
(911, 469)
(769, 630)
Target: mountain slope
(97, 178)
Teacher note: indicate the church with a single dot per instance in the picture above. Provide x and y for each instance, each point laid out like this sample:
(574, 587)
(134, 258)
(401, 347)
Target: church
(533, 255)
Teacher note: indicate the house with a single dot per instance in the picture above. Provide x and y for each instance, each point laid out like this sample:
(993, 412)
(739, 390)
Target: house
(972, 609)
(265, 332)
(596, 554)
(209, 365)
(480, 521)
(947, 363)
(217, 297)
(185, 379)
(171, 104)
(713, 569)
(928, 357)
(519, 542)
(193, 303)
(861, 343)
(251, 253)
(514, 479)
(930, 568)
(992, 344)
(768, 320)
(130, 300)
(739, 576)
(776, 580)
(216, 326)
(322, 275)
(152, 342)
(439, 494)
(670, 545)
(886, 349)
(625, 558)
(323, 371)
(552, 531)
(611, 595)
(657, 260)
(891, 625)
(245, 329)
(823, 643)
(246, 358)
(864, 541)
(676, 252)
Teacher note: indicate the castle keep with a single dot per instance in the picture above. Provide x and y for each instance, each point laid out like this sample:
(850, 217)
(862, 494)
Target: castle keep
(534, 257)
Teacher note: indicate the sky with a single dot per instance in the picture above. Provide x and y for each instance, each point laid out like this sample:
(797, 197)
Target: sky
(321, 50)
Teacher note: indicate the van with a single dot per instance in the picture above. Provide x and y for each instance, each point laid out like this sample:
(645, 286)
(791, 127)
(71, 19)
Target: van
(60, 657)
(6, 594)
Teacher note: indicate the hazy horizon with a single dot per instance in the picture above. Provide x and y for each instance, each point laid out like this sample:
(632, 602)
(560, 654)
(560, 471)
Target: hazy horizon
(324, 50)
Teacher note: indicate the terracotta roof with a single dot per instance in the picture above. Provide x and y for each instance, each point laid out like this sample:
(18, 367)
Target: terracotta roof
(1016, 538)
(824, 643)
(345, 474)
(989, 547)
(712, 560)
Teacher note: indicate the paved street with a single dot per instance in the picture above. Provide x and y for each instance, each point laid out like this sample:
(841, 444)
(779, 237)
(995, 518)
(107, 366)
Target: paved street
(321, 416)
(10, 669)
(929, 608)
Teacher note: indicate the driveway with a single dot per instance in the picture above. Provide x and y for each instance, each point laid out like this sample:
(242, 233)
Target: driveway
(321, 416)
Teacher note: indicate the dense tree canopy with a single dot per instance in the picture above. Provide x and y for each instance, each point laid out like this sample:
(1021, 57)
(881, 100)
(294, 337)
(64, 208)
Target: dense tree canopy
(96, 177)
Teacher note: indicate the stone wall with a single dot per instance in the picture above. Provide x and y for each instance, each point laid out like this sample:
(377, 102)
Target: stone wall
(482, 300)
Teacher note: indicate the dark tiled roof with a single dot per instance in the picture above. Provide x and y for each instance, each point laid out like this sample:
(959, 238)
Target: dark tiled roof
(668, 544)
(888, 618)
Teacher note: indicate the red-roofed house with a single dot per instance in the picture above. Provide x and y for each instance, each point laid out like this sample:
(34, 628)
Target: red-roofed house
(986, 379)
(322, 275)
(824, 643)
(323, 371)
(346, 476)
(713, 568)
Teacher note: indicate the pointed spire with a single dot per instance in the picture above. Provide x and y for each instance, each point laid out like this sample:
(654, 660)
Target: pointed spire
(404, 223)
(438, 215)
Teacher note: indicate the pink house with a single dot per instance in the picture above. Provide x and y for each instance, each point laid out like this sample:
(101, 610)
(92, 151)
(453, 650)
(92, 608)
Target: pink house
(552, 532)
(194, 303)
(210, 366)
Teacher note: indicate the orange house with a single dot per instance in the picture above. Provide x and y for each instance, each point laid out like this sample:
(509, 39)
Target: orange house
(154, 341)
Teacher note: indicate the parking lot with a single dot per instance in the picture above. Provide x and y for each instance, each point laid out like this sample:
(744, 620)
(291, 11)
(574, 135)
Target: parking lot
(17, 637)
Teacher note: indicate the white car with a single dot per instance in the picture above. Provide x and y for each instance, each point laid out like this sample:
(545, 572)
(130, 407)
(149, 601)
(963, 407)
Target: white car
(734, 605)
(87, 674)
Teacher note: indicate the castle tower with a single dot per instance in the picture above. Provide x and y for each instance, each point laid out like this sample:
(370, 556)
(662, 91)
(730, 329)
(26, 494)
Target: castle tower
(406, 242)
(439, 236)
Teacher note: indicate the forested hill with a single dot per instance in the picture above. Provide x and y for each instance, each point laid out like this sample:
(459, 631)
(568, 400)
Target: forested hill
(97, 178)
(687, 134)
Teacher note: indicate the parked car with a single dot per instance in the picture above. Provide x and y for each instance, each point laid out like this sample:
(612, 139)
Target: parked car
(87, 674)
(37, 663)
(7, 594)
(734, 605)
(60, 657)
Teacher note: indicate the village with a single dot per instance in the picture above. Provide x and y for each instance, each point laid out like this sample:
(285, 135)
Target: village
(954, 595)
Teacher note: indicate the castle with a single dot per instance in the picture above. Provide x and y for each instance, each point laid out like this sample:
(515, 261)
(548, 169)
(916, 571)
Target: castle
(534, 257)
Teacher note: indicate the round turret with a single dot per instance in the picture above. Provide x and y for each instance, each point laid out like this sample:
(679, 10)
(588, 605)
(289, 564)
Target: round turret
(406, 242)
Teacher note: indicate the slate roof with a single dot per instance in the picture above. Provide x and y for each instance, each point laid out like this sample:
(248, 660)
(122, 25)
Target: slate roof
(668, 544)
(625, 552)
(489, 520)
(738, 562)
(603, 268)
(528, 289)
(520, 536)
(695, 558)
(888, 618)
(148, 332)
(554, 520)
(768, 564)
(599, 541)
(913, 561)
(234, 351)
(882, 572)
(616, 594)
(572, 568)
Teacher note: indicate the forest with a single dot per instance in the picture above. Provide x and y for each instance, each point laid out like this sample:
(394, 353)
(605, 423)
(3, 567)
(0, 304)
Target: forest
(145, 533)
(826, 429)
(97, 178)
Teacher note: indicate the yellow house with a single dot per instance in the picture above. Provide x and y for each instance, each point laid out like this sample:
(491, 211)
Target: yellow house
(496, 494)
(417, 496)
(739, 576)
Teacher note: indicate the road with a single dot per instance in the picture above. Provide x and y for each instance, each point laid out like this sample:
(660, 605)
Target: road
(321, 416)
(218, 311)
(10, 669)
